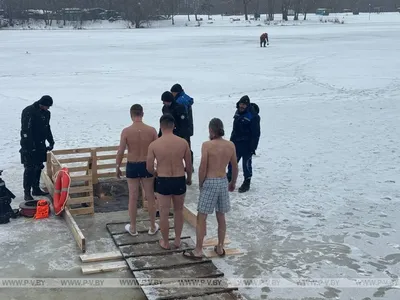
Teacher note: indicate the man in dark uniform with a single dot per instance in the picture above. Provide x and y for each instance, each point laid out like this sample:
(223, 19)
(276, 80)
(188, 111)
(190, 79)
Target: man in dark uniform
(245, 135)
(178, 111)
(182, 98)
(35, 130)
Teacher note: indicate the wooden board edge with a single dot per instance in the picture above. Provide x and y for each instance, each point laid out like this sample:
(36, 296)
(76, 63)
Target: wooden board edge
(214, 242)
(47, 182)
(162, 252)
(228, 252)
(146, 242)
(189, 216)
(75, 230)
(104, 267)
(95, 257)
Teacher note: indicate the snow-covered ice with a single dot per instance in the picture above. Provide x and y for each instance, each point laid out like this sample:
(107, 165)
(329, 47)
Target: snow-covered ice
(325, 194)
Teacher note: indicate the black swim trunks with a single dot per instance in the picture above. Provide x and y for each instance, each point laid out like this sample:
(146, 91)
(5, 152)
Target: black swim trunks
(171, 185)
(137, 170)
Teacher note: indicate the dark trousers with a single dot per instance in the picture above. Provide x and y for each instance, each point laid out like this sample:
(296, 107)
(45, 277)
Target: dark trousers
(32, 174)
(263, 43)
(243, 152)
(33, 165)
(190, 146)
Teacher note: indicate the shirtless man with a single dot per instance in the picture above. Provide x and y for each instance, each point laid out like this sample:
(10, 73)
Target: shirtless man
(170, 150)
(137, 139)
(215, 157)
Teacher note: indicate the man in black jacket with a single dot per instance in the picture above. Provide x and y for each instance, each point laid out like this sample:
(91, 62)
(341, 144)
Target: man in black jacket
(178, 111)
(245, 135)
(35, 130)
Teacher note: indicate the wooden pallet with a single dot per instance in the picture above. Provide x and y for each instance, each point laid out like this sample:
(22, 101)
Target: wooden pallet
(86, 166)
(80, 194)
(66, 214)
(146, 259)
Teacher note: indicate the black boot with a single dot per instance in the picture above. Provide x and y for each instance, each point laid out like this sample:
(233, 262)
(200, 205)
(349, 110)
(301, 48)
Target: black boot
(28, 196)
(245, 186)
(29, 174)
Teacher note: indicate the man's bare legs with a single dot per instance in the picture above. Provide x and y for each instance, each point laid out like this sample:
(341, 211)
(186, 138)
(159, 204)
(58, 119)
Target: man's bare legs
(148, 186)
(201, 228)
(221, 232)
(133, 186)
(164, 203)
(178, 218)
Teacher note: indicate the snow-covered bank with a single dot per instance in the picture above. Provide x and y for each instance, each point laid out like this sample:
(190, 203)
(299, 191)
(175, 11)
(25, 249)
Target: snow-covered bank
(214, 21)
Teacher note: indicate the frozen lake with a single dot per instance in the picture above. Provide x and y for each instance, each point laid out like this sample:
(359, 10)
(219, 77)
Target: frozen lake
(325, 194)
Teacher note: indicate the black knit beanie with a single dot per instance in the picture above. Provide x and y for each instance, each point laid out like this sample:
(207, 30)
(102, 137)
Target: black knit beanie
(176, 88)
(167, 97)
(46, 101)
(245, 100)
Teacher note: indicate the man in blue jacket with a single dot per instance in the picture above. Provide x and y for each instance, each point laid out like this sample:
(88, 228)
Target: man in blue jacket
(245, 135)
(182, 98)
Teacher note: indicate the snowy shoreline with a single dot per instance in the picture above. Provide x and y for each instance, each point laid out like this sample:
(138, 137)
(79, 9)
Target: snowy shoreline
(216, 21)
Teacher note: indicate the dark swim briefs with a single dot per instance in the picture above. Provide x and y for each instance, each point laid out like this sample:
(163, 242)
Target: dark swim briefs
(137, 170)
(171, 185)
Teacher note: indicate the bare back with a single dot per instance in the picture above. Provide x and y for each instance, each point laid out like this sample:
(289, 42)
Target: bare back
(138, 137)
(219, 153)
(170, 151)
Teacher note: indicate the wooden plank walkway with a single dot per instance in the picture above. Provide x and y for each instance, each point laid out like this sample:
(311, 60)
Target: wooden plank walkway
(147, 260)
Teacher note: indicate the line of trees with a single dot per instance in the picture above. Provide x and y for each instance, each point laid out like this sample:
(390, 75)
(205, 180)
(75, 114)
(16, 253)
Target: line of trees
(272, 7)
(141, 11)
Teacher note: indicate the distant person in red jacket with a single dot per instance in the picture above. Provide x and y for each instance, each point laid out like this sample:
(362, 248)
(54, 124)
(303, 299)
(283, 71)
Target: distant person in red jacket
(264, 39)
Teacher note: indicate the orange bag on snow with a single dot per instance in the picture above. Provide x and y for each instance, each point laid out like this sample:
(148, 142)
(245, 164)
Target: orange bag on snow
(42, 210)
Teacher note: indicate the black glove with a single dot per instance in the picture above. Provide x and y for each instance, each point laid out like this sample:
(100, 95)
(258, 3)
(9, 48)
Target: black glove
(50, 147)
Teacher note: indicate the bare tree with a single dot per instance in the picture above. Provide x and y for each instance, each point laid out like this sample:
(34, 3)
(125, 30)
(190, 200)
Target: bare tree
(172, 8)
(306, 6)
(296, 6)
(189, 8)
(192, 7)
(196, 7)
(14, 9)
(207, 7)
(257, 11)
(137, 12)
(285, 9)
(245, 7)
(48, 7)
(271, 10)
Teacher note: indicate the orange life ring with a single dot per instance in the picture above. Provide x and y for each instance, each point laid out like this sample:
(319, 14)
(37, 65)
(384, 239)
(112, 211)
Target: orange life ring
(61, 189)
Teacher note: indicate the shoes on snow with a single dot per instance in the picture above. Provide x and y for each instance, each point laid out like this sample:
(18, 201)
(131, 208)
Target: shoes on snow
(245, 186)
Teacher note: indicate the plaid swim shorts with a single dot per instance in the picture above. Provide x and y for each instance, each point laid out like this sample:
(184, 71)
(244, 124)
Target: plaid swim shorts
(214, 194)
